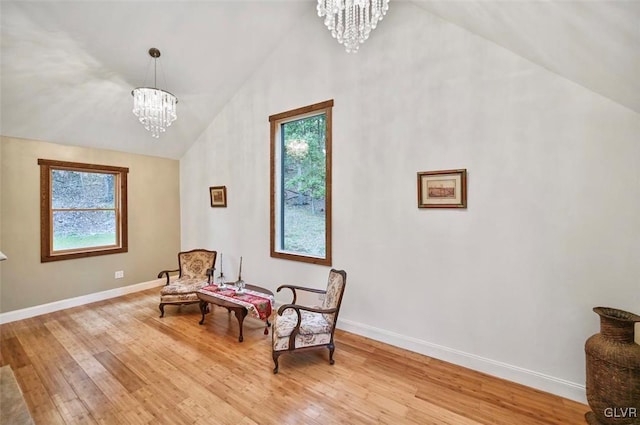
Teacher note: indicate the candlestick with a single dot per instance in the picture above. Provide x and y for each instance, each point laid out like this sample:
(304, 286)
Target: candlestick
(221, 282)
(240, 282)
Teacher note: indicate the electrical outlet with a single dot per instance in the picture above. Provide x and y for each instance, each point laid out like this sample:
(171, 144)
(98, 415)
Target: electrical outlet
(119, 274)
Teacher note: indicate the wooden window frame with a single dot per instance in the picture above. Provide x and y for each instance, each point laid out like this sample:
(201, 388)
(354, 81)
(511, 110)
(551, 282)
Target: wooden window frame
(275, 120)
(46, 216)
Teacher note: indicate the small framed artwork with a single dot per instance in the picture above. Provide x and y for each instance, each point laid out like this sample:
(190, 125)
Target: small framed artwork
(218, 196)
(442, 189)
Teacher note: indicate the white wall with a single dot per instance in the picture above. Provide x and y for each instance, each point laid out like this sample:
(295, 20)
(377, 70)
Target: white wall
(505, 286)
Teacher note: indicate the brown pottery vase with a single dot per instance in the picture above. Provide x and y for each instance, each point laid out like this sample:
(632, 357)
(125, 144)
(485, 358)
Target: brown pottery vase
(613, 370)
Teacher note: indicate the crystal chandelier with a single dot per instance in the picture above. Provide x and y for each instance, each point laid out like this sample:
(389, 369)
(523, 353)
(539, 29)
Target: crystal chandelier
(155, 108)
(351, 21)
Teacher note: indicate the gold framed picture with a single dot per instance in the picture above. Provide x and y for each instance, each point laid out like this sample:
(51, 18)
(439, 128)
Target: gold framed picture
(218, 196)
(442, 189)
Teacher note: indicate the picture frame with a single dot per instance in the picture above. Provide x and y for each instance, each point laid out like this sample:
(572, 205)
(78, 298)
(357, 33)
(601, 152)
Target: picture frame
(442, 189)
(218, 195)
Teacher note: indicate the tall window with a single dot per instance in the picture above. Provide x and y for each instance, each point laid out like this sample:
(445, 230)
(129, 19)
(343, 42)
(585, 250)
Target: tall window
(301, 184)
(83, 210)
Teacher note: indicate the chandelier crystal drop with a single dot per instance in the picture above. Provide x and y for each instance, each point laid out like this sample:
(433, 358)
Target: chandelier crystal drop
(351, 21)
(156, 109)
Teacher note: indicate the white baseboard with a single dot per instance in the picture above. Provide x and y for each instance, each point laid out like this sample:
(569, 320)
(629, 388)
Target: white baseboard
(530, 378)
(25, 313)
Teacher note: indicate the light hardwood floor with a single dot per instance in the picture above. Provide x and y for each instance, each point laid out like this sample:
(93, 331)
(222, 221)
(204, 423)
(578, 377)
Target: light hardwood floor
(116, 362)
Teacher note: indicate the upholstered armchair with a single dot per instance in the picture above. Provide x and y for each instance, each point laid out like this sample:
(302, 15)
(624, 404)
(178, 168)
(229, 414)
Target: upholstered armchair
(195, 269)
(298, 327)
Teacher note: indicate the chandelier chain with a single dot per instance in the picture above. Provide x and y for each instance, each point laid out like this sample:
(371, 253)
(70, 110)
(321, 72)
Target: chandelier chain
(155, 73)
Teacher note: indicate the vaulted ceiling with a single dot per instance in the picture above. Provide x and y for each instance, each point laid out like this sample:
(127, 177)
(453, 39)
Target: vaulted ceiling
(68, 67)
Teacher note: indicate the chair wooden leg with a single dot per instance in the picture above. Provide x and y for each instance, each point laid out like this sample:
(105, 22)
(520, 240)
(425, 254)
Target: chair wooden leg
(161, 310)
(331, 350)
(275, 361)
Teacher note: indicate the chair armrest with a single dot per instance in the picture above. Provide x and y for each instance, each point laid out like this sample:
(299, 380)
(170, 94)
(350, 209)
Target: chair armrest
(166, 273)
(297, 308)
(301, 288)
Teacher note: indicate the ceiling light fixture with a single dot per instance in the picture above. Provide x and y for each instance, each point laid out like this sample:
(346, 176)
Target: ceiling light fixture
(155, 108)
(351, 21)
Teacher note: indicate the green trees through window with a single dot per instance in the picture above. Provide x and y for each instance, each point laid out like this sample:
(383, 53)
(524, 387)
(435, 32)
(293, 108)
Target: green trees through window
(301, 184)
(304, 180)
(83, 210)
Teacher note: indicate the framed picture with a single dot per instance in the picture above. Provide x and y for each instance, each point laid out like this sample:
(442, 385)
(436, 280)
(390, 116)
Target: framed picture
(218, 196)
(442, 189)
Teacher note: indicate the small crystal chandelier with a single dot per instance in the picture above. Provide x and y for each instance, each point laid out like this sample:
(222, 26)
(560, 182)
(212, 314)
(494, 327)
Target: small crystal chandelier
(155, 108)
(351, 21)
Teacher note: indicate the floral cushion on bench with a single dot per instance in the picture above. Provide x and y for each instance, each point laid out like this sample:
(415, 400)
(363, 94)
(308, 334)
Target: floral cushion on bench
(183, 286)
(312, 323)
(181, 290)
(282, 344)
(314, 330)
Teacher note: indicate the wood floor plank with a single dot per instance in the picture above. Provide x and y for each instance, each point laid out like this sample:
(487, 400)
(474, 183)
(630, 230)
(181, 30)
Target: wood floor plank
(13, 354)
(46, 366)
(427, 413)
(98, 404)
(62, 394)
(129, 379)
(117, 362)
(40, 404)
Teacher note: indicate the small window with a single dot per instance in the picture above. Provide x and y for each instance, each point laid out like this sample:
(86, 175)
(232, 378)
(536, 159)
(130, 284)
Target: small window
(83, 210)
(301, 184)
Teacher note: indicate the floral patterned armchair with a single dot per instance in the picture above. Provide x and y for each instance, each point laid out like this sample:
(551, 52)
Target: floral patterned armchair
(297, 327)
(195, 269)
